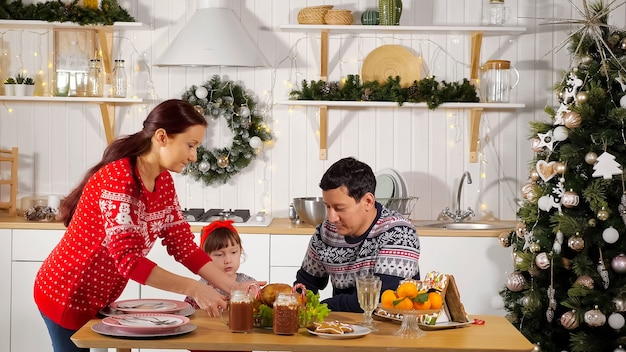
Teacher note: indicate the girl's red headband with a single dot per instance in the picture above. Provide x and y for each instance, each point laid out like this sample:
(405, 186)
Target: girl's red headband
(208, 229)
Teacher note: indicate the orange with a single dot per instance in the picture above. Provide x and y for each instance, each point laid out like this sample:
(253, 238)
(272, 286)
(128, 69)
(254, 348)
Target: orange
(404, 304)
(421, 305)
(436, 301)
(387, 298)
(407, 289)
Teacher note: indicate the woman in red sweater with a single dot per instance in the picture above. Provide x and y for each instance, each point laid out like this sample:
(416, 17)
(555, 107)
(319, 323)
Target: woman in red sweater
(123, 205)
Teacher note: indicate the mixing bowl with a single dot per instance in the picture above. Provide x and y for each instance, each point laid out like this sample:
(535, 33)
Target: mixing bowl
(311, 210)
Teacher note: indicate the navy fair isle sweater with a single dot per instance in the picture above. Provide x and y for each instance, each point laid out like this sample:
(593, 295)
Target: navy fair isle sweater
(390, 249)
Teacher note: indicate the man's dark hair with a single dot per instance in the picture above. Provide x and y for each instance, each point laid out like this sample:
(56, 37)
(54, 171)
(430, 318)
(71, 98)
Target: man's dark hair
(355, 175)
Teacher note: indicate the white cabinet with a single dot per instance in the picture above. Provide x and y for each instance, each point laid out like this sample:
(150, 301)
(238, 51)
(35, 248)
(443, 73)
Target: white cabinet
(287, 252)
(480, 273)
(29, 249)
(5, 290)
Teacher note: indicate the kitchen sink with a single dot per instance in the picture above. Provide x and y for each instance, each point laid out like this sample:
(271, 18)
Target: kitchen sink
(469, 225)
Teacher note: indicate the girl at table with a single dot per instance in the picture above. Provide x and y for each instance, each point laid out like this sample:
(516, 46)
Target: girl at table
(121, 208)
(221, 241)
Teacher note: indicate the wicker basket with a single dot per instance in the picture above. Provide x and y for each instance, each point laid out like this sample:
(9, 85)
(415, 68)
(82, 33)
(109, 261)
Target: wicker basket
(338, 17)
(313, 14)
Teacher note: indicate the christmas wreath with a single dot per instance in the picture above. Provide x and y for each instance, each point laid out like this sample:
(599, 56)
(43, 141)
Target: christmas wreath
(226, 99)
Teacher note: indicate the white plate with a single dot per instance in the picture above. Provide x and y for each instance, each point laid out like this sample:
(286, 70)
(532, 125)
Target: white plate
(402, 190)
(385, 186)
(146, 322)
(358, 332)
(149, 305)
(443, 325)
(108, 330)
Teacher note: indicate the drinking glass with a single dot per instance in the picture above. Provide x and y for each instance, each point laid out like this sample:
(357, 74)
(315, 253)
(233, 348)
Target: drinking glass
(368, 291)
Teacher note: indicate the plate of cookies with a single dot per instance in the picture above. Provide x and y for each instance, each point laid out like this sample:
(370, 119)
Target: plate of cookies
(337, 330)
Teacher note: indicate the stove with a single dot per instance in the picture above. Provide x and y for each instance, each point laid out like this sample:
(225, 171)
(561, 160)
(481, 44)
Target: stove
(240, 217)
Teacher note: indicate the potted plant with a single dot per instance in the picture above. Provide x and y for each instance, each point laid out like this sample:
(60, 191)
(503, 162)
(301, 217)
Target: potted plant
(30, 86)
(9, 86)
(20, 86)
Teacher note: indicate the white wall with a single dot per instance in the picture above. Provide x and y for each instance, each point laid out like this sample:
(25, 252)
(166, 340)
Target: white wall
(59, 141)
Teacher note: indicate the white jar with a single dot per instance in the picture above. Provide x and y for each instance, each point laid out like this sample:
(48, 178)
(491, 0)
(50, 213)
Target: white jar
(498, 13)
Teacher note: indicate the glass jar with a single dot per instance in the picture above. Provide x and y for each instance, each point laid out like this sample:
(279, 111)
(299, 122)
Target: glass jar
(286, 309)
(119, 79)
(95, 80)
(240, 311)
(498, 13)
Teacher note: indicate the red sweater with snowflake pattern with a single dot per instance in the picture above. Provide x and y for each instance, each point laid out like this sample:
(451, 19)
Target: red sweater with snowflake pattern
(106, 244)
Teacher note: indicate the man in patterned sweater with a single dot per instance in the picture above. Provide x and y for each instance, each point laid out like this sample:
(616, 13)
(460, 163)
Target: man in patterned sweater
(359, 236)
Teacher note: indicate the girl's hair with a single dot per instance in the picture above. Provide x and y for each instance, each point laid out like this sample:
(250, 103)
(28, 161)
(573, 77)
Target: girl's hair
(174, 116)
(221, 238)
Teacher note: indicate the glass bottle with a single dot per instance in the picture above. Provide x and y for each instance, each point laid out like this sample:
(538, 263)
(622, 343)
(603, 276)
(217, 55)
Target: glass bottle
(119, 79)
(498, 13)
(95, 80)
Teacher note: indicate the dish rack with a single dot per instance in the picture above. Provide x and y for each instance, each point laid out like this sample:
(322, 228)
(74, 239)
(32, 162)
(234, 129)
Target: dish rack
(403, 205)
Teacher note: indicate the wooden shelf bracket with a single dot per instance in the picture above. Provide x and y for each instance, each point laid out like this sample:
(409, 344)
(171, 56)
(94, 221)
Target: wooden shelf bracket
(475, 116)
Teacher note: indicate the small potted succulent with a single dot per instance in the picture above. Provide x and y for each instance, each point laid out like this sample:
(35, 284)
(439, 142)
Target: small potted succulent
(30, 86)
(9, 86)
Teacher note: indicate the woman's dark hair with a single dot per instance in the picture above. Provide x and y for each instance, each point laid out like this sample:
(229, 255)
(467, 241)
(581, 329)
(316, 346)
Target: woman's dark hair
(174, 116)
(355, 175)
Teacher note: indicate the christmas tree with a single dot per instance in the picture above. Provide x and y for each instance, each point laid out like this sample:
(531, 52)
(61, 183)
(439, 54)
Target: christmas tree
(568, 289)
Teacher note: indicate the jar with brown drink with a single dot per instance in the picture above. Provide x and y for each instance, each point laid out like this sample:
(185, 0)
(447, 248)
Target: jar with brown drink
(240, 318)
(286, 309)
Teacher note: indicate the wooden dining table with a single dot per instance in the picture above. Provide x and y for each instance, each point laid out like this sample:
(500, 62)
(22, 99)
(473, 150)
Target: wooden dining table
(495, 334)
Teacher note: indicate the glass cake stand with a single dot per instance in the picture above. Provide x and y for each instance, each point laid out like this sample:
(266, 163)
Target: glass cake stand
(410, 321)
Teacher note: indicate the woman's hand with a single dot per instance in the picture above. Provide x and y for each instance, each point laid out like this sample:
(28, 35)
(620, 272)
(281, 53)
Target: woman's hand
(209, 300)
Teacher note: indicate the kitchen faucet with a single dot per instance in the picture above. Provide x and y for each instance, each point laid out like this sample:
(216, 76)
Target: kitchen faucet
(459, 216)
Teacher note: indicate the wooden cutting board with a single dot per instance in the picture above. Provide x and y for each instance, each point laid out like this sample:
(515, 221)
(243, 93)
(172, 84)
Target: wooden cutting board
(392, 60)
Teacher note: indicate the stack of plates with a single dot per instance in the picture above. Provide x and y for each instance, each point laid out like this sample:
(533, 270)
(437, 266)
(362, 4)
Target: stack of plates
(146, 318)
(390, 184)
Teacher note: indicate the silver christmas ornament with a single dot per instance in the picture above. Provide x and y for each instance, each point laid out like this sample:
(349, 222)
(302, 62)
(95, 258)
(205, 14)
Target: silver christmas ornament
(594, 318)
(569, 321)
(591, 158)
(576, 243)
(204, 166)
(516, 282)
(542, 260)
(535, 247)
(610, 235)
(619, 264)
(505, 239)
(616, 321)
(586, 281)
(620, 304)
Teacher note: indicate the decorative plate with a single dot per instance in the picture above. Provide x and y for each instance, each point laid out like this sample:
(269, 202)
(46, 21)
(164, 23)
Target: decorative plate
(108, 330)
(391, 60)
(149, 305)
(109, 312)
(359, 331)
(145, 322)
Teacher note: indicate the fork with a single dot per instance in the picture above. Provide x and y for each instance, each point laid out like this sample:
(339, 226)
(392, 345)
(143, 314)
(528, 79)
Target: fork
(154, 305)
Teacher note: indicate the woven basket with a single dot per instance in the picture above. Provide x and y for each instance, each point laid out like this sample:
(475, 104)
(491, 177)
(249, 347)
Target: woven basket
(313, 14)
(338, 17)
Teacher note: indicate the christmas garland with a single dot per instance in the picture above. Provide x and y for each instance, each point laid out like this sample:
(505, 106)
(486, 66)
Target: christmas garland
(57, 11)
(426, 90)
(216, 98)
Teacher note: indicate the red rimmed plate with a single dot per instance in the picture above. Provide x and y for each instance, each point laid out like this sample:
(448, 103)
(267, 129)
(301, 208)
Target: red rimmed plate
(149, 305)
(146, 323)
(108, 330)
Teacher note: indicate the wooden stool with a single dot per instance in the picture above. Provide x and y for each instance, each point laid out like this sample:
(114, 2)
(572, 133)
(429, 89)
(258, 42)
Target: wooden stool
(10, 156)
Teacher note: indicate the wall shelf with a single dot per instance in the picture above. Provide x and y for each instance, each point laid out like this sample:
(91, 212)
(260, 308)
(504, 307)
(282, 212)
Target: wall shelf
(476, 35)
(107, 107)
(104, 36)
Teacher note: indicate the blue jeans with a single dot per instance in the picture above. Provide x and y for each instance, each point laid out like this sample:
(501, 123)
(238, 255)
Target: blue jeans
(60, 336)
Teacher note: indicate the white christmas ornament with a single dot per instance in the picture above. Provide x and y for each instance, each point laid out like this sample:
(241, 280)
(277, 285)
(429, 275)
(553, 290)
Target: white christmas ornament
(606, 166)
(610, 235)
(622, 101)
(255, 142)
(560, 133)
(244, 111)
(202, 92)
(497, 302)
(616, 321)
